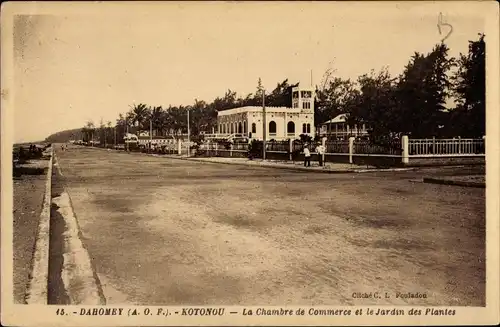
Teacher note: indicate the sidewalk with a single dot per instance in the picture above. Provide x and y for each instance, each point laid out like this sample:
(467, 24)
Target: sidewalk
(297, 166)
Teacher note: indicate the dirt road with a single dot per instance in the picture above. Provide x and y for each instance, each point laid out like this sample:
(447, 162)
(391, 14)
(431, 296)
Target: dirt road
(165, 231)
(29, 189)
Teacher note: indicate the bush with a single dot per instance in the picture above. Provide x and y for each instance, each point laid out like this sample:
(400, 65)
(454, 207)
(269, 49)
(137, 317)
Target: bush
(305, 138)
(255, 149)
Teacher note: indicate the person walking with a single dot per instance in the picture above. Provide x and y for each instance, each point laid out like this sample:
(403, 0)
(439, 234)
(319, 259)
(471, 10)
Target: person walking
(307, 156)
(320, 149)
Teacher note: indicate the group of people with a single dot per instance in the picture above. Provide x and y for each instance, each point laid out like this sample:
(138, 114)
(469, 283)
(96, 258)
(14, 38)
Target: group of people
(320, 149)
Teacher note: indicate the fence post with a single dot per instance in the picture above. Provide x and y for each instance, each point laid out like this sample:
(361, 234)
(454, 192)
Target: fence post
(179, 146)
(290, 146)
(351, 149)
(208, 148)
(405, 154)
(323, 144)
(231, 150)
(433, 145)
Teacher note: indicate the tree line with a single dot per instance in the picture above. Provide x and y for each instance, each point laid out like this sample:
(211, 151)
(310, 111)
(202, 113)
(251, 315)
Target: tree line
(412, 103)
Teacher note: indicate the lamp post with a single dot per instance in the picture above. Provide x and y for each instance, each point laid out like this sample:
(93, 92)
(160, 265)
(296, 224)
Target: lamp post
(263, 124)
(189, 135)
(126, 135)
(150, 135)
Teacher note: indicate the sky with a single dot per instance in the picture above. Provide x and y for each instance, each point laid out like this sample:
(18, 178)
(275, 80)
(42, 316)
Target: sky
(92, 61)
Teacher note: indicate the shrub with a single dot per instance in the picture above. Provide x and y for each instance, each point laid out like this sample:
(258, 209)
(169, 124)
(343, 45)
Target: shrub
(255, 149)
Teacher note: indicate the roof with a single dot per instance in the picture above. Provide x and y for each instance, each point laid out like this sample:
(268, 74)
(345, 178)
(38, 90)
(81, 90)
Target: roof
(342, 118)
(257, 109)
(169, 137)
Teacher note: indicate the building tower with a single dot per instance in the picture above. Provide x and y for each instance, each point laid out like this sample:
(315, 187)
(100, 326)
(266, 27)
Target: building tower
(303, 98)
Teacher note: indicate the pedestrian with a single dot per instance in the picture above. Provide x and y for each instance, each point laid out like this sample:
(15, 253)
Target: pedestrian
(321, 151)
(307, 156)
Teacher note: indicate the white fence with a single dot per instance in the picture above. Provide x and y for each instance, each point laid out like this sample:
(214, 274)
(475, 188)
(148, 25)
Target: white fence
(404, 148)
(400, 150)
(445, 147)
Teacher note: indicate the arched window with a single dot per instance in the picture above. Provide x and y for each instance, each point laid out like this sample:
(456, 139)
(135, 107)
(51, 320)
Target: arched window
(254, 128)
(308, 128)
(272, 127)
(290, 128)
(240, 128)
(244, 127)
(232, 128)
(304, 129)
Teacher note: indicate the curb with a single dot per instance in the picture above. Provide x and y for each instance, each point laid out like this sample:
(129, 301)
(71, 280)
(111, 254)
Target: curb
(37, 292)
(79, 278)
(324, 171)
(454, 183)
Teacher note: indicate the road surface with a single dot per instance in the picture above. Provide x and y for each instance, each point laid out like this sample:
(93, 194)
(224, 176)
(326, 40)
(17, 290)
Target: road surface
(29, 190)
(171, 232)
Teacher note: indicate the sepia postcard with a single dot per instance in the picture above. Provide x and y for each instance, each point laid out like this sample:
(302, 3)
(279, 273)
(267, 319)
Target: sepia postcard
(260, 163)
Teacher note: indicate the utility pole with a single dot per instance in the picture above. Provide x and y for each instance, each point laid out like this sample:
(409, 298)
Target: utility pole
(263, 124)
(150, 134)
(189, 135)
(126, 135)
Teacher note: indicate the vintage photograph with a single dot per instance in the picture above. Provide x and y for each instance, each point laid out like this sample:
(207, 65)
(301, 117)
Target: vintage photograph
(249, 154)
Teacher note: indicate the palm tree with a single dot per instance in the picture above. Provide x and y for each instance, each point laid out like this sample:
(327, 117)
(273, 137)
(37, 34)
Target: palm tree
(157, 115)
(139, 115)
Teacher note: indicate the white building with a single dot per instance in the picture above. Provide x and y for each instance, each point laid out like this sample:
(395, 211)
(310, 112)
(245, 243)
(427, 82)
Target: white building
(339, 128)
(281, 122)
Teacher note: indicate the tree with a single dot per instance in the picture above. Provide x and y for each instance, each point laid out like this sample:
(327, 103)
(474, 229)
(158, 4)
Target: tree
(335, 98)
(412, 104)
(375, 105)
(422, 91)
(120, 128)
(156, 115)
(177, 116)
(139, 115)
(102, 132)
(281, 96)
(257, 99)
(470, 89)
(88, 131)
